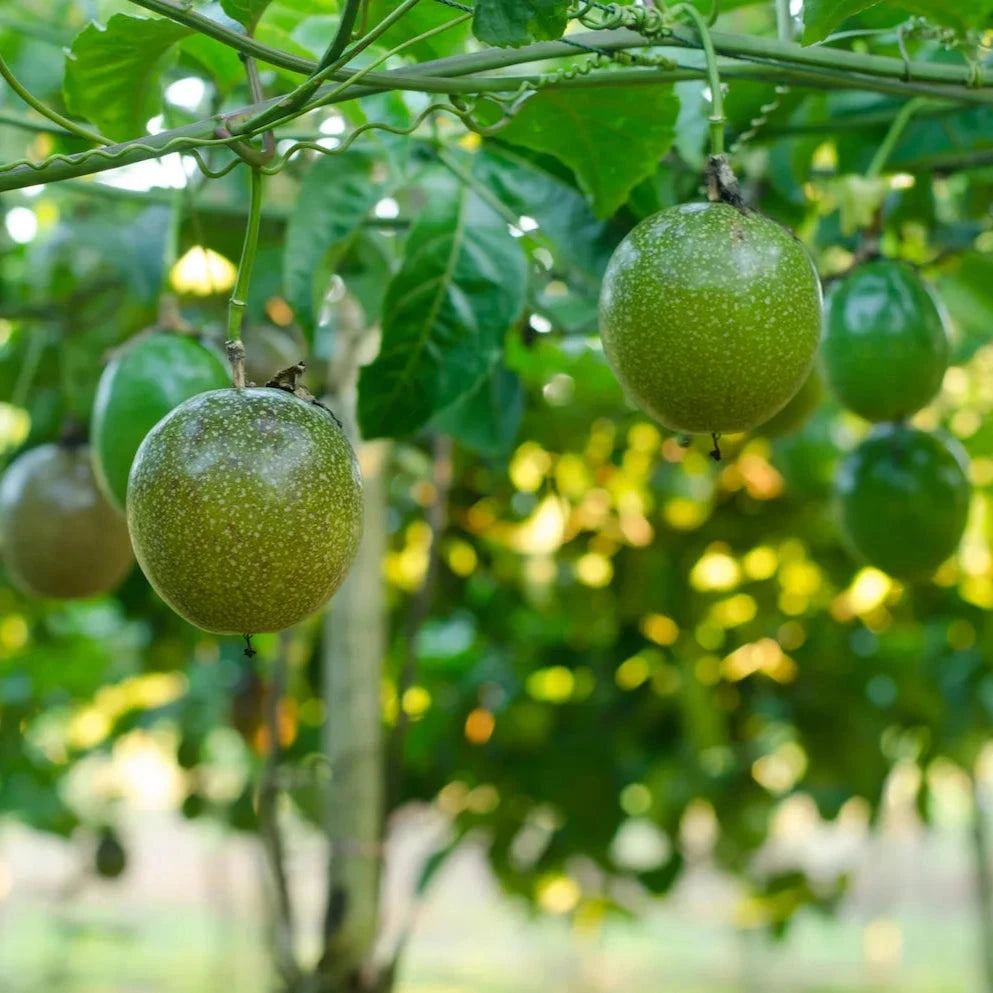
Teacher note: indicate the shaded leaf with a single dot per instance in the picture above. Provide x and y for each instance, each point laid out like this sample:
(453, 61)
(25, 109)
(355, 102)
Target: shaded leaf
(821, 17)
(112, 74)
(336, 195)
(612, 139)
(445, 313)
(245, 12)
(487, 419)
(519, 22)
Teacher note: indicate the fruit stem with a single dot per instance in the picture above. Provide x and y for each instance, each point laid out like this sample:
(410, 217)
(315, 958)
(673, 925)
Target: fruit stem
(237, 303)
(897, 127)
(717, 119)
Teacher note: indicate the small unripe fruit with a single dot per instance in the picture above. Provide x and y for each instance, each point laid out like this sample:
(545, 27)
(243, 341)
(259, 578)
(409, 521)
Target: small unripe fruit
(904, 498)
(885, 347)
(60, 537)
(245, 509)
(137, 389)
(710, 317)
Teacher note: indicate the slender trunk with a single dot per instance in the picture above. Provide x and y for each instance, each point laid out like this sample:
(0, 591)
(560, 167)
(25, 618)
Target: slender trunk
(354, 646)
(984, 882)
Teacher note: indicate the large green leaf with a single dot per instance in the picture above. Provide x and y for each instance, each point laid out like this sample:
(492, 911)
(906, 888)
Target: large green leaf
(519, 22)
(612, 138)
(336, 196)
(245, 12)
(112, 74)
(487, 419)
(420, 19)
(446, 311)
(821, 17)
(581, 242)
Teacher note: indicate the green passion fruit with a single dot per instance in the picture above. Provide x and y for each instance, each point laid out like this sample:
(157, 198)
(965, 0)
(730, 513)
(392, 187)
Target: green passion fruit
(245, 509)
(904, 498)
(710, 317)
(137, 389)
(799, 410)
(60, 536)
(885, 348)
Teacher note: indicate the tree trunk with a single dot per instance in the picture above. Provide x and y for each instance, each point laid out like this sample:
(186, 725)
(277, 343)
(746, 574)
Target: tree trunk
(984, 881)
(354, 646)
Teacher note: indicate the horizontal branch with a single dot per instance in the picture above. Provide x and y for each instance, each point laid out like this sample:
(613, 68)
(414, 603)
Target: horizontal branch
(766, 59)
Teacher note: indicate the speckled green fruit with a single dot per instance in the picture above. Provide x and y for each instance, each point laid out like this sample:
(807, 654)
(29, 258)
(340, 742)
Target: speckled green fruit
(710, 317)
(60, 536)
(885, 347)
(797, 412)
(137, 389)
(245, 509)
(904, 498)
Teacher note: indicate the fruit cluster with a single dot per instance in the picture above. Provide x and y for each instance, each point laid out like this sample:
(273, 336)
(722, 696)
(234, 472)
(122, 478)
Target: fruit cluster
(710, 316)
(242, 506)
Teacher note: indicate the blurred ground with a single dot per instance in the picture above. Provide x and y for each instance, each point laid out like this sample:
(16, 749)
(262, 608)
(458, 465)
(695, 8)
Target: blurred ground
(186, 918)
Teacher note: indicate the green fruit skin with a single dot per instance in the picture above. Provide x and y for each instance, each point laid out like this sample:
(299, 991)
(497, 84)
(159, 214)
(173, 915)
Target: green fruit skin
(904, 498)
(710, 317)
(60, 536)
(798, 411)
(245, 509)
(136, 391)
(885, 348)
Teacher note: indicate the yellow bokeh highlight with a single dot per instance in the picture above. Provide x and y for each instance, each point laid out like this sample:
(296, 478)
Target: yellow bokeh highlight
(684, 514)
(13, 633)
(782, 769)
(407, 568)
(632, 672)
(15, 423)
(734, 611)
(760, 563)
(461, 558)
(529, 466)
(544, 531)
(765, 656)
(202, 272)
(660, 629)
(594, 570)
(715, 571)
(558, 894)
(416, 701)
(554, 684)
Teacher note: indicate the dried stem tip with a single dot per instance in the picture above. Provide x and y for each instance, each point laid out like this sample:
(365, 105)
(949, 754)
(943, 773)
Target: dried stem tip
(236, 356)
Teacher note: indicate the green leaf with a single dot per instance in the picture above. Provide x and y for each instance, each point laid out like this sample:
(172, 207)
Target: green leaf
(445, 313)
(487, 419)
(417, 21)
(221, 62)
(336, 195)
(112, 74)
(580, 241)
(245, 12)
(960, 16)
(821, 17)
(612, 138)
(519, 22)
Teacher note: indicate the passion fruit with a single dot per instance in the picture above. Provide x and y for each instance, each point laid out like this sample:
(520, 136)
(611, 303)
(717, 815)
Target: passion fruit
(710, 317)
(245, 509)
(137, 389)
(60, 536)
(904, 497)
(885, 347)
